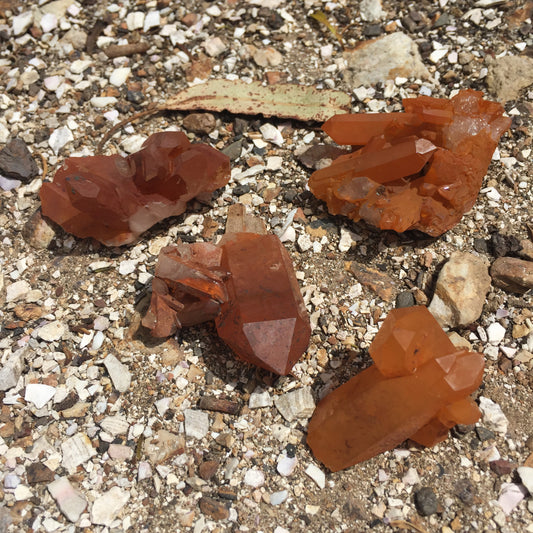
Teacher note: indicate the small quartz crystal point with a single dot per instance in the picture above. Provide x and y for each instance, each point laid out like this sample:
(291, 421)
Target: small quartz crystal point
(417, 388)
(114, 199)
(246, 284)
(421, 169)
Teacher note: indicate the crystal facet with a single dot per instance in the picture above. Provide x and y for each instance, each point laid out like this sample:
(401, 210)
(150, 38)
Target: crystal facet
(114, 199)
(246, 285)
(421, 169)
(418, 388)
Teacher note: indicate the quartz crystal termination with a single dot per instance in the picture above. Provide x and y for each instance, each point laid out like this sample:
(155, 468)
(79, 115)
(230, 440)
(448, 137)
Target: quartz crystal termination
(417, 388)
(421, 169)
(246, 284)
(114, 199)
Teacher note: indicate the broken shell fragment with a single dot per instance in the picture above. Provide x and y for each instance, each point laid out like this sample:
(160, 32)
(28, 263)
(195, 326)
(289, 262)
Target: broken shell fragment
(246, 285)
(114, 199)
(421, 169)
(417, 388)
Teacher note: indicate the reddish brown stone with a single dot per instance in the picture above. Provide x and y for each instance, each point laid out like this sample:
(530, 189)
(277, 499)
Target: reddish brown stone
(213, 508)
(421, 169)
(114, 199)
(418, 388)
(246, 284)
(208, 469)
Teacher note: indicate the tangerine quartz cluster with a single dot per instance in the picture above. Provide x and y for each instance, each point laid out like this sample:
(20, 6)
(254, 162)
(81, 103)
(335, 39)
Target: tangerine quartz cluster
(417, 388)
(421, 169)
(246, 284)
(114, 199)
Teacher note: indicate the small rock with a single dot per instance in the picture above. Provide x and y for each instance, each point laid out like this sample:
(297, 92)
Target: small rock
(271, 134)
(295, 404)
(214, 46)
(39, 394)
(405, 299)
(411, 477)
(316, 475)
(493, 416)
(39, 231)
(70, 502)
(371, 10)
(286, 465)
(208, 469)
(347, 240)
(460, 292)
(23, 493)
(48, 22)
(384, 58)
(196, 423)
(76, 451)
(511, 494)
(501, 467)
(200, 123)
(107, 507)
(277, 498)
(59, 138)
(38, 473)
(254, 478)
(120, 452)
(16, 291)
(53, 331)
(526, 476)
(495, 333)
(103, 101)
(11, 371)
(426, 501)
(152, 20)
(484, 434)
(22, 22)
(144, 471)
(512, 274)
(259, 398)
(508, 75)
(114, 425)
(119, 373)
(267, 57)
(135, 20)
(17, 162)
(119, 76)
(213, 508)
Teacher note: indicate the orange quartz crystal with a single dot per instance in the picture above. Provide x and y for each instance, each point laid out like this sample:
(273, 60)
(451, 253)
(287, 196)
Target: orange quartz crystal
(114, 199)
(246, 284)
(417, 388)
(421, 169)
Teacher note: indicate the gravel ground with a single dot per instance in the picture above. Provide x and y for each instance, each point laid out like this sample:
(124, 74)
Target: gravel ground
(104, 429)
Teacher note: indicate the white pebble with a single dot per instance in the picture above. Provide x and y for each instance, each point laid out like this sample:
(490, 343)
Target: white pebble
(119, 76)
(59, 138)
(102, 101)
(39, 394)
(48, 22)
(254, 478)
(271, 134)
(316, 475)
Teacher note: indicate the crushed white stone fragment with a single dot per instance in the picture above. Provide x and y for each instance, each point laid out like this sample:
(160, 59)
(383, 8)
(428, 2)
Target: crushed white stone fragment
(196, 423)
(119, 373)
(316, 475)
(76, 451)
(70, 501)
(108, 506)
(39, 394)
(493, 416)
(295, 404)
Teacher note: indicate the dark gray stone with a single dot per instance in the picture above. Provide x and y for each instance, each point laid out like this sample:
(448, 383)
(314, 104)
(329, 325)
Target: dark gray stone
(17, 162)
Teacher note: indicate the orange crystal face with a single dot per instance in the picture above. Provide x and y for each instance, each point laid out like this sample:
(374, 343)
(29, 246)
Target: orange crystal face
(421, 169)
(247, 285)
(114, 199)
(418, 388)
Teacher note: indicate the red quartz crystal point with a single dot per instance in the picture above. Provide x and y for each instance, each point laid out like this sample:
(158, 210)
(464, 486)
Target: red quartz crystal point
(246, 284)
(418, 388)
(264, 320)
(421, 169)
(114, 199)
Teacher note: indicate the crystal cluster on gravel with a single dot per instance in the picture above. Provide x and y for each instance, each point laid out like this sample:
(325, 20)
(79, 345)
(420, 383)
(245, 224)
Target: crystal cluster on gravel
(103, 429)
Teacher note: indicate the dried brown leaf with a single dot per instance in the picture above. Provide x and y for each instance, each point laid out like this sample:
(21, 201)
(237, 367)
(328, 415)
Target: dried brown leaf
(281, 100)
